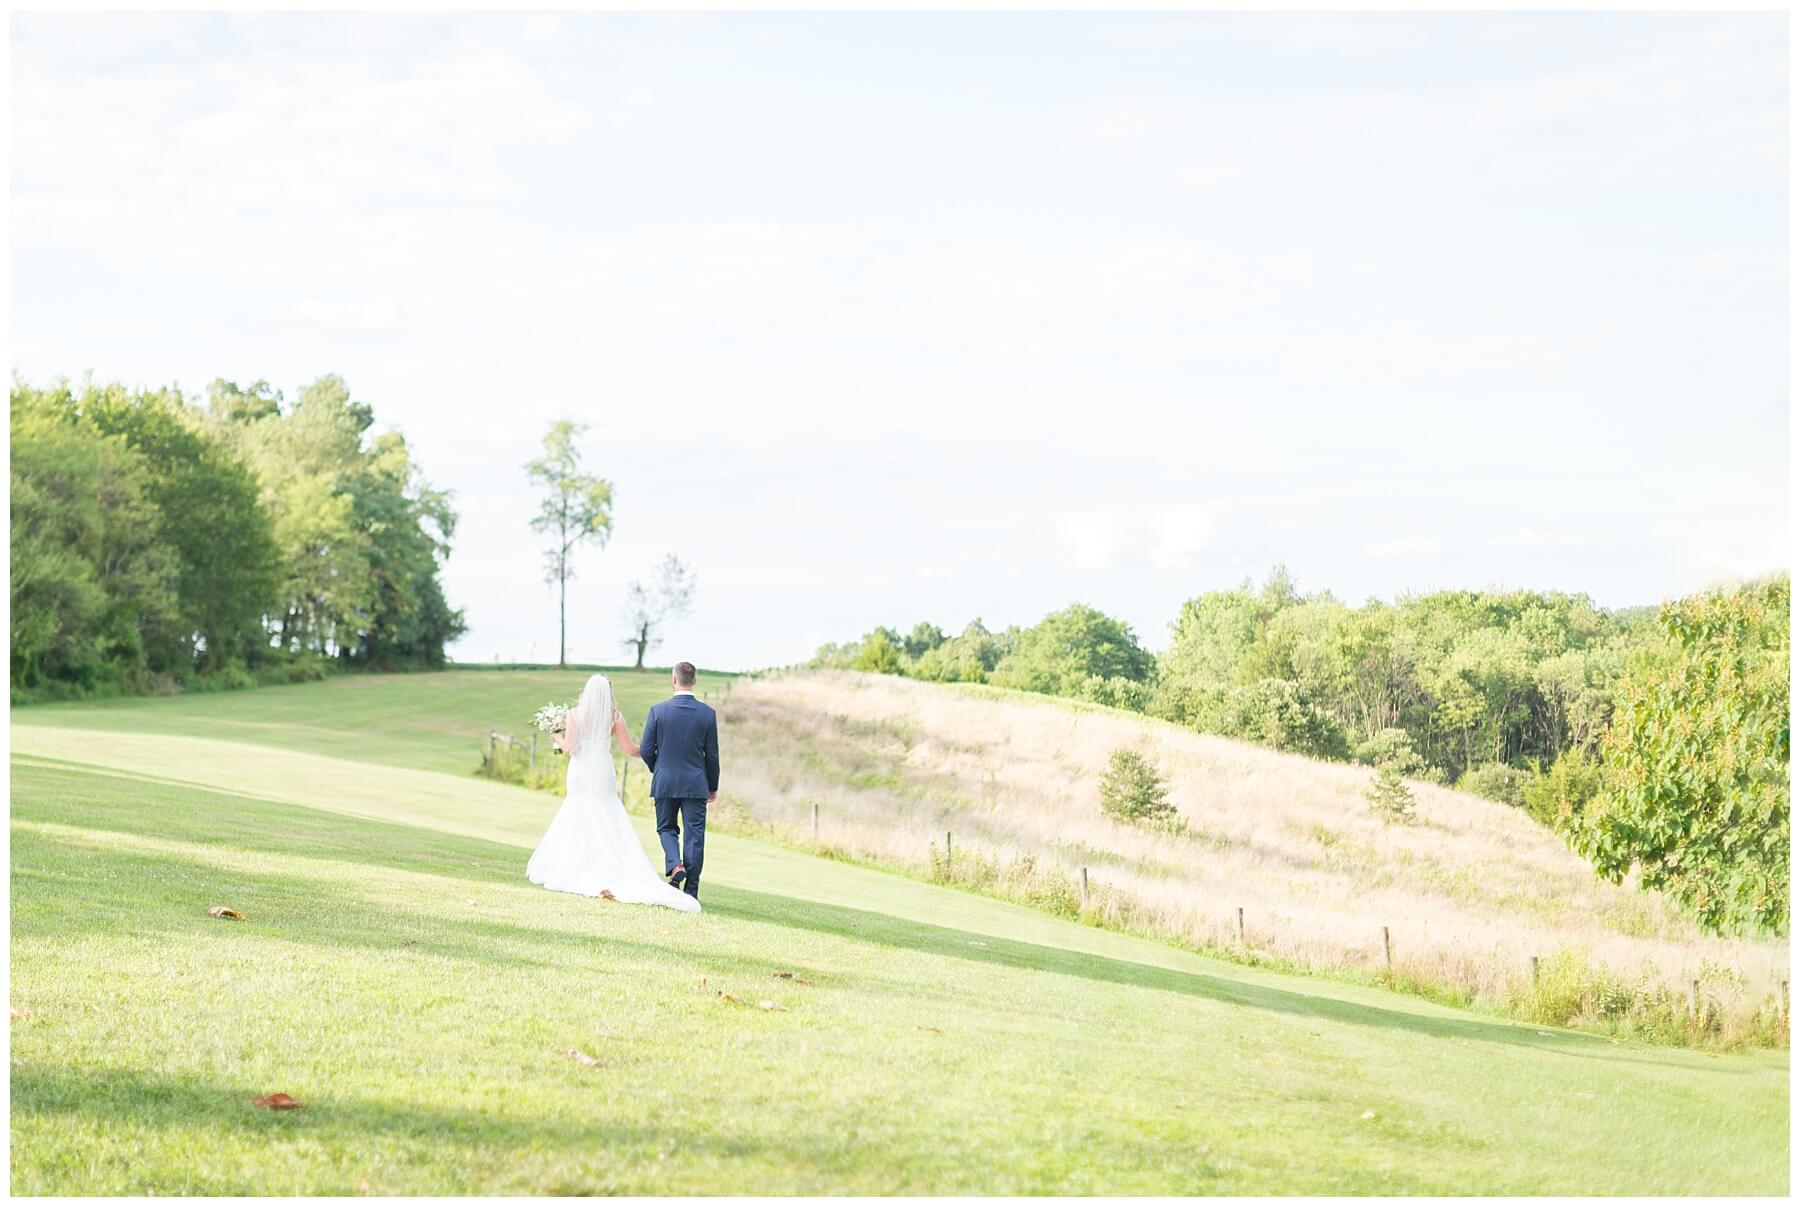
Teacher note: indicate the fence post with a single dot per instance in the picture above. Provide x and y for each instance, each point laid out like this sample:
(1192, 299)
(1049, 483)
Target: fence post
(1240, 910)
(815, 805)
(1534, 970)
(946, 852)
(1084, 889)
(1694, 998)
(1387, 949)
(1781, 1002)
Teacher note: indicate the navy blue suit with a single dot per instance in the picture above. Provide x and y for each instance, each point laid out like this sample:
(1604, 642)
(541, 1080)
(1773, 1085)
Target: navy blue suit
(681, 748)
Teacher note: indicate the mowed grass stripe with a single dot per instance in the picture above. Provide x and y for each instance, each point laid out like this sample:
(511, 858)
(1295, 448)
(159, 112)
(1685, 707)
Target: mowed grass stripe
(429, 1037)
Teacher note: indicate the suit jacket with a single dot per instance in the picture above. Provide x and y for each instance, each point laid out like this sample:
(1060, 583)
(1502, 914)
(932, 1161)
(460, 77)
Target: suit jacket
(681, 747)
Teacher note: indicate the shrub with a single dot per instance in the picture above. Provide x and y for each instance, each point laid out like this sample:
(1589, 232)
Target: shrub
(1391, 748)
(1497, 782)
(1557, 796)
(1277, 713)
(878, 655)
(1389, 796)
(1116, 692)
(1132, 791)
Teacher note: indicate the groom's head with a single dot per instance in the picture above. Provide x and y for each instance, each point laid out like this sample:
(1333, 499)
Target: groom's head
(683, 676)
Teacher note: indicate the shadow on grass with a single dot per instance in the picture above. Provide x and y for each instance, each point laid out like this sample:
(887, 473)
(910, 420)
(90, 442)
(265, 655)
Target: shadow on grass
(624, 1156)
(134, 896)
(868, 927)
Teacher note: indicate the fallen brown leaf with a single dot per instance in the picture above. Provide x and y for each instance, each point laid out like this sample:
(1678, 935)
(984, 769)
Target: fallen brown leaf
(786, 976)
(277, 1102)
(471, 901)
(933, 1030)
(733, 998)
(768, 1005)
(582, 1058)
(225, 911)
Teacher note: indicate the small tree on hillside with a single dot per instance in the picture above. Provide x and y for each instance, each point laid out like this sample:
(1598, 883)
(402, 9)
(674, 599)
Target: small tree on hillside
(1132, 791)
(1389, 796)
(650, 605)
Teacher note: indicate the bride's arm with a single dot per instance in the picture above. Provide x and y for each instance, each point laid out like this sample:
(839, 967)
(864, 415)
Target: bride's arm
(571, 727)
(623, 734)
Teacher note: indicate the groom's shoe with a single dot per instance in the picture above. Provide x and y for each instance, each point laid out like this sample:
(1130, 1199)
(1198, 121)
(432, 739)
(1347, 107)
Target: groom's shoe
(677, 876)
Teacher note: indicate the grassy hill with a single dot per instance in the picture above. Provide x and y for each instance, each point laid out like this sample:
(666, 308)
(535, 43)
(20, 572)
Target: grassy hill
(397, 975)
(1469, 895)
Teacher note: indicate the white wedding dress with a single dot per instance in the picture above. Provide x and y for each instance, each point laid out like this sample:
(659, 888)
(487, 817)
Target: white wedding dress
(590, 847)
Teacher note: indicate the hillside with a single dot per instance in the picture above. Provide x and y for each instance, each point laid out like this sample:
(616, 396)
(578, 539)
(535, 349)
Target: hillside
(1469, 895)
(397, 975)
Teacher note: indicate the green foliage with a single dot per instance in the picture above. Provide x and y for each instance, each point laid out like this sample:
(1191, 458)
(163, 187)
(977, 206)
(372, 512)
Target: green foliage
(1060, 654)
(1695, 787)
(207, 512)
(1558, 796)
(155, 545)
(93, 585)
(1133, 791)
(1389, 796)
(1390, 748)
(878, 655)
(1497, 782)
(1471, 678)
(1116, 692)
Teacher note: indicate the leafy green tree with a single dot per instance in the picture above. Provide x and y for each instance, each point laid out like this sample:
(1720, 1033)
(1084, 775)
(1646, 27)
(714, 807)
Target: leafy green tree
(650, 605)
(924, 638)
(1695, 787)
(879, 654)
(409, 525)
(1065, 649)
(576, 510)
(91, 582)
(209, 512)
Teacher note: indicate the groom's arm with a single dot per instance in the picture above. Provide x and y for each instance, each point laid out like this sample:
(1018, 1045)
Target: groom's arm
(712, 756)
(647, 743)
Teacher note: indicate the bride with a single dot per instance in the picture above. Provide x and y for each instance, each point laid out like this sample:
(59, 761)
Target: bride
(590, 847)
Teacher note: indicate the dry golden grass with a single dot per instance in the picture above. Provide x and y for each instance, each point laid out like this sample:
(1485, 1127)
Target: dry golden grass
(1469, 894)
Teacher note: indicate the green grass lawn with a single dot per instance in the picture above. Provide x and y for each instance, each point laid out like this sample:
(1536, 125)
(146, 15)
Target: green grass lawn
(398, 975)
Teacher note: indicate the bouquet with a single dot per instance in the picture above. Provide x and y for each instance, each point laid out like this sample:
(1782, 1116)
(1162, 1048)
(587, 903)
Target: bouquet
(551, 718)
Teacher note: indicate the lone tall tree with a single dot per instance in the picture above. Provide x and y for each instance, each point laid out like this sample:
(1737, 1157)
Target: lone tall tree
(663, 598)
(577, 508)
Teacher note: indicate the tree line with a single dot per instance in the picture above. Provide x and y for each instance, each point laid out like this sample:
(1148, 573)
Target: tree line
(1653, 739)
(161, 542)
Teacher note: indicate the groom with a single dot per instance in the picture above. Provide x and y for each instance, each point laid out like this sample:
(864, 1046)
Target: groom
(681, 748)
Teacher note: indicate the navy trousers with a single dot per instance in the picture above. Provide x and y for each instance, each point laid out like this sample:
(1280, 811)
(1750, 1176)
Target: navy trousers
(675, 814)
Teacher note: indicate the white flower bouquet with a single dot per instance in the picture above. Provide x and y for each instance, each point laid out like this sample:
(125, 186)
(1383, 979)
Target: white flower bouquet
(551, 718)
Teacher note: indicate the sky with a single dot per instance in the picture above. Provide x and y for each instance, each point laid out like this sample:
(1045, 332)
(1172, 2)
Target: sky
(879, 318)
